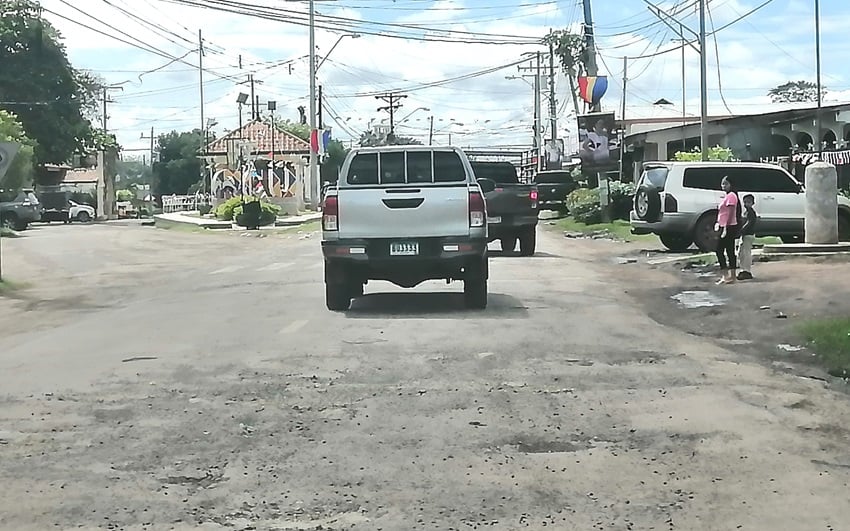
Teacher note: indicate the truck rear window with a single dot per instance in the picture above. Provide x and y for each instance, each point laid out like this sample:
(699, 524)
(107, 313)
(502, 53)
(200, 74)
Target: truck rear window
(500, 172)
(406, 167)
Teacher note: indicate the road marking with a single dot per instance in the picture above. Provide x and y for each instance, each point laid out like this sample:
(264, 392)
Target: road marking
(294, 326)
(228, 269)
(277, 266)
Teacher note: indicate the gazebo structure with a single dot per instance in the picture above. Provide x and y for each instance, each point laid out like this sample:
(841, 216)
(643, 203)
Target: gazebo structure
(261, 160)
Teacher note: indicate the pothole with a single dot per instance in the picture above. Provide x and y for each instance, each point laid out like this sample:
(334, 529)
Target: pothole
(698, 299)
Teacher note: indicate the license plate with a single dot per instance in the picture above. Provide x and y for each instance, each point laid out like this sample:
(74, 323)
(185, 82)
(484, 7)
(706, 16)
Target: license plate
(496, 219)
(404, 249)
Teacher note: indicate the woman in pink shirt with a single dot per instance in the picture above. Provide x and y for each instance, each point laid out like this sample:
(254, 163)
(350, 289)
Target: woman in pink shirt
(727, 226)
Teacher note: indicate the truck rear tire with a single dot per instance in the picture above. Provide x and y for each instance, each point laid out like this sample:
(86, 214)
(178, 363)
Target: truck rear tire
(528, 242)
(338, 291)
(475, 287)
(337, 297)
(508, 244)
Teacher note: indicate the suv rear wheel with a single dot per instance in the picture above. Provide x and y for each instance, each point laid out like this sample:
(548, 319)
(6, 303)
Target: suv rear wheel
(10, 220)
(676, 242)
(704, 234)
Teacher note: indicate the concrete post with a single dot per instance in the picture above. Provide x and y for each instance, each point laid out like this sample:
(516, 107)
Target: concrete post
(821, 204)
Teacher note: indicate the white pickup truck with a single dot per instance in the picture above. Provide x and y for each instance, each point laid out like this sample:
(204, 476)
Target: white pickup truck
(404, 214)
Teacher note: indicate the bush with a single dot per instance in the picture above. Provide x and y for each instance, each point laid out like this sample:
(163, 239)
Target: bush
(224, 212)
(621, 196)
(268, 214)
(583, 205)
(205, 209)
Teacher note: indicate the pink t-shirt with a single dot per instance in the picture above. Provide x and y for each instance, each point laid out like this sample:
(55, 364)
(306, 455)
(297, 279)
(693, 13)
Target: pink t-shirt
(727, 212)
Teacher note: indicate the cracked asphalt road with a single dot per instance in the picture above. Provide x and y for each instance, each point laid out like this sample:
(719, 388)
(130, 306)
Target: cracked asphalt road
(194, 381)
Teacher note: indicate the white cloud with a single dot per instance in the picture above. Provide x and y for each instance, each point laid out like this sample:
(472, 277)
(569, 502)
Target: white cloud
(493, 110)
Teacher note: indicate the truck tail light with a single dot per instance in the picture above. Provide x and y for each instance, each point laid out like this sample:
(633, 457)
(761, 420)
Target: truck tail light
(477, 210)
(330, 213)
(532, 195)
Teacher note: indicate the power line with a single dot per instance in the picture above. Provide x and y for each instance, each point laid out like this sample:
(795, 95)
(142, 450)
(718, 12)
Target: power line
(336, 23)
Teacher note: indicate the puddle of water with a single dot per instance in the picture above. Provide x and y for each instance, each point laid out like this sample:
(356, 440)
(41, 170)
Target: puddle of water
(790, 348)
(698, 299)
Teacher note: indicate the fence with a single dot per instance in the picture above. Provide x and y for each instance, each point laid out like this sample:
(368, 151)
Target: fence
(183, 203)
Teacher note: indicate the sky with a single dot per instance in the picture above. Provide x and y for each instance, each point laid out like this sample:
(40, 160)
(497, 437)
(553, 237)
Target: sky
(444, 55)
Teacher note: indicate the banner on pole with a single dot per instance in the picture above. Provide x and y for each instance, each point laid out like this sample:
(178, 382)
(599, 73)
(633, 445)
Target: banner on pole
(8, 151)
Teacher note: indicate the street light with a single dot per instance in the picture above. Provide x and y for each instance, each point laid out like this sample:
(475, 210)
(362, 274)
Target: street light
(414, 111)
(344, 35)
(241, 99)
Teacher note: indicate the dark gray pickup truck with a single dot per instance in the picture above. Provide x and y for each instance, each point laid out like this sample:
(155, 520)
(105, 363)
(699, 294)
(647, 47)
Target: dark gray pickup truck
(512, 207)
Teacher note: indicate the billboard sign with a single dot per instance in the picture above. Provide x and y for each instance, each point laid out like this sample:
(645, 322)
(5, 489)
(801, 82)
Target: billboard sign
(598, 141)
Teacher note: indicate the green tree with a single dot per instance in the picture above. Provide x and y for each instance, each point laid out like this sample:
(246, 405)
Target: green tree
(299, 130)
(20, 172)
(795, 91)
(371, 139)
(178, 167)
(51, 99)
(572, 52)
(133, 171)
(717, 153)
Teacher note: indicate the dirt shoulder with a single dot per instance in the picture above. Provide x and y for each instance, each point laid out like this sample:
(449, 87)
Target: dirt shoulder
(765, 317)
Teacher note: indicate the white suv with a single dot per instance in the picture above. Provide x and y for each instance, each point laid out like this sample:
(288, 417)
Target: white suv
(678, 202)
(404, 214)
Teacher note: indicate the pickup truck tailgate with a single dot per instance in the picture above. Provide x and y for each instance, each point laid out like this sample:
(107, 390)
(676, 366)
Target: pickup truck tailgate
(509, 199)
(382, 212)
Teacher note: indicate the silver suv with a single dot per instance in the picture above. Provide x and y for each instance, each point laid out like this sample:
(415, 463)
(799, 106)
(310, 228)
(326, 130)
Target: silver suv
(678, 202)
(18, 208)
(404, 214)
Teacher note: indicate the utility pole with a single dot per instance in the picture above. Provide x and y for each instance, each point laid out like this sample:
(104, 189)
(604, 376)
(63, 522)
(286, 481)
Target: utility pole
(538, 122)
(623, 113)
(684, 93)
(203, 122)
(818, 116)
(314, 174)
(590, 44)
(320, 107)
(703, 58)
(253, 98)
(703, 82)
(151, 184)
(106, 101)
(392, 100)
(431, 132)
(553, 103)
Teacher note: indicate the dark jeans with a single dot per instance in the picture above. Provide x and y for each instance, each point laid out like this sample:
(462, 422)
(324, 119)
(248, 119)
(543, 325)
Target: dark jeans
(726, 248)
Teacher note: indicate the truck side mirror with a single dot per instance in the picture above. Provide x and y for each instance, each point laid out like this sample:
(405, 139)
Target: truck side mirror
(487, 185)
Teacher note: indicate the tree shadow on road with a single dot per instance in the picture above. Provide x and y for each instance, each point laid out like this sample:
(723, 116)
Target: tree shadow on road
(434, 306)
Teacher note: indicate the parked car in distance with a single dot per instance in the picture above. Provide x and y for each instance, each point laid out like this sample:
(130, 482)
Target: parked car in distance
(511, 207)
(404, 214)
(56, 206)
(19, 208)
(678, 202)
(80, 212)
(553, 187)
(127, 210)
